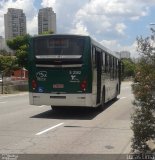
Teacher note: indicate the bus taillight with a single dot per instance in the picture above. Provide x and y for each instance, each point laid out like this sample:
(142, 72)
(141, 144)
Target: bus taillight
(83, 85)
(34, 84)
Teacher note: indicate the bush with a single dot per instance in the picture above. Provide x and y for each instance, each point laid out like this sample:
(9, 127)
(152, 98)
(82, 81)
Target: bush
(143, 119)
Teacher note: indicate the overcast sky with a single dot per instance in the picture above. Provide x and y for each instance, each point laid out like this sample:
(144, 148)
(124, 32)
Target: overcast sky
(114, 23)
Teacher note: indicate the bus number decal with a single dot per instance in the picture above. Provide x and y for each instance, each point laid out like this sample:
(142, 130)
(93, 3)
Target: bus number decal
(75, 72)
(73, 75)
(41, 75)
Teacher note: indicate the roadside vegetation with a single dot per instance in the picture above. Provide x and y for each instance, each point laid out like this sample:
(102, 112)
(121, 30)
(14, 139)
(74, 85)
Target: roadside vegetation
(8, 63)
(143, 118)
(129, 67)
(20, 45)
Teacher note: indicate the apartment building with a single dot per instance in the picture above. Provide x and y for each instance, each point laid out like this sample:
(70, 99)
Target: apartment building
(46, 20)
(15, 23)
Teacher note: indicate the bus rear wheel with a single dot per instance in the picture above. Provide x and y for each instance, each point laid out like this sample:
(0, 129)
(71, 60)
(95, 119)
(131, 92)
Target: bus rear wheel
(54, 108)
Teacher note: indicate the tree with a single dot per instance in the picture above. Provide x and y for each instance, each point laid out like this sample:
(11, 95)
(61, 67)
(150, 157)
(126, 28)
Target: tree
(20, 44)
(8, 64)
(129, 67)
(143, 120)
(22, 56)
(4, 52)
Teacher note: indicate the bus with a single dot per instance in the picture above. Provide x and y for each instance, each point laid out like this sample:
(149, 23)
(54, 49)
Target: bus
(72, 70)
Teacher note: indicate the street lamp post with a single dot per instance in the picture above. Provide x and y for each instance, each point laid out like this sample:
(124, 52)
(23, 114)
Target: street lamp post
(153, 30)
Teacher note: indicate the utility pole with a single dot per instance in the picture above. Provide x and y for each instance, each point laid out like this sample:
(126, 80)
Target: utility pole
(153, 31)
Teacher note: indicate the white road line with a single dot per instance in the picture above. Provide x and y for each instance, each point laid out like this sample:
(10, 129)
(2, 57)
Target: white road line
(123, 97)
(42, 106)
(46, 130)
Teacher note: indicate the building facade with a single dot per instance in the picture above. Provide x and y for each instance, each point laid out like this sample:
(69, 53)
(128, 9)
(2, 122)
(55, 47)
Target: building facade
(15, 23)
(46, 20)
(125, 54)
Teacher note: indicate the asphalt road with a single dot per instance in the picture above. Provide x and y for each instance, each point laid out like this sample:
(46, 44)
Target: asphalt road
(26, 129)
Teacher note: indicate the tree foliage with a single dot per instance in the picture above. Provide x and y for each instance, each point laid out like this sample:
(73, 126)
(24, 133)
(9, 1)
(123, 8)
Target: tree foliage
(143, 120)
(20, 44)
(8, 64)
(18, 41)
(129, 67)
(4, 52)
(146, 48)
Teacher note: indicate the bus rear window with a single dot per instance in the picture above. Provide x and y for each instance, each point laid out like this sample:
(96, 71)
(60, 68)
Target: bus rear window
(58, 46)
(58, 43)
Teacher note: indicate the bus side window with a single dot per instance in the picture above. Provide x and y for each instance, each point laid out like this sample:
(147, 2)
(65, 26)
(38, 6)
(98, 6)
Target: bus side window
(115, 68)
(103, 59)
(98, 58)
(110, 61)
(112, 76)
(93, 57)
(107, 63)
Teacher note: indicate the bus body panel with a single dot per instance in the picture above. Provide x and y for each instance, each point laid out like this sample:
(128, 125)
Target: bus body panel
(61, 99)
(60, 80)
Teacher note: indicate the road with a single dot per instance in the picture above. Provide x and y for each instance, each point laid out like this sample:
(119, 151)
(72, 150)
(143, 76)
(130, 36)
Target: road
(26, 129)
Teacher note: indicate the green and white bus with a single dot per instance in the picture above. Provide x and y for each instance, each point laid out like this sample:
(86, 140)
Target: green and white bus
(72, 70)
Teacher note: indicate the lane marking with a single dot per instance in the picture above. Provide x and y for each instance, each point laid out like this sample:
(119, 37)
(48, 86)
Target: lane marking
(42, 106)
(46, 130)
(123, 97)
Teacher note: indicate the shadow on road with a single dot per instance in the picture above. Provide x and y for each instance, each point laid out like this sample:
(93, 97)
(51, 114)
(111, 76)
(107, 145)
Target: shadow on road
(69, 113)
(76, 113)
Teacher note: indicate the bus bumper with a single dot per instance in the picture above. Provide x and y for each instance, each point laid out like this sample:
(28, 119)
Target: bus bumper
(83, 100)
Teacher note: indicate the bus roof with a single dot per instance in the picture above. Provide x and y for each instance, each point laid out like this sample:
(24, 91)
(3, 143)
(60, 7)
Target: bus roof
(97, 44)
(100, 46)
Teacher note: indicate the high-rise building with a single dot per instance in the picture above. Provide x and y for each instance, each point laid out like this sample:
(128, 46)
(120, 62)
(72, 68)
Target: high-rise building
(125, 54)
(46, 20)
(15, 23)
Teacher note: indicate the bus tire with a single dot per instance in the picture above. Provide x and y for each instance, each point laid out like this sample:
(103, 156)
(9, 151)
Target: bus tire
(54, 108)
(59, 108)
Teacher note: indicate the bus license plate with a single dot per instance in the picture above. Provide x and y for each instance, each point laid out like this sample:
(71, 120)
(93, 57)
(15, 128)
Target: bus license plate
(58, 85)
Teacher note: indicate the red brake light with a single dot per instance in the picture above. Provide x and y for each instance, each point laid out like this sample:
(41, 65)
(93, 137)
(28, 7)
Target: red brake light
(34, 84)
(83, 85)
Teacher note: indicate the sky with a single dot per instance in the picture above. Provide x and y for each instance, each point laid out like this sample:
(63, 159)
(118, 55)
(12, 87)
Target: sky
(114, 23)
